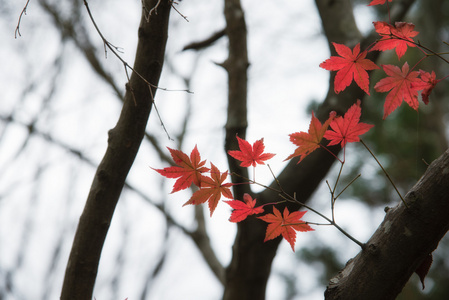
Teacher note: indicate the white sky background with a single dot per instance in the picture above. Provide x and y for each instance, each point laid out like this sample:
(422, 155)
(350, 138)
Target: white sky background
(285, 49)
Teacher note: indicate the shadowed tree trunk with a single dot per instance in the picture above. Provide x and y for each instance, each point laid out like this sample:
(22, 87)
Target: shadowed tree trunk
(400, 244)
(123, 143)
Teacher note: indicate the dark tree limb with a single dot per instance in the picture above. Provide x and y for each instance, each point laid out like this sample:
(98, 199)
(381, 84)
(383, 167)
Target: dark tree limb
(401, 242)
(123, 143)
(236, 66)
(206, 42)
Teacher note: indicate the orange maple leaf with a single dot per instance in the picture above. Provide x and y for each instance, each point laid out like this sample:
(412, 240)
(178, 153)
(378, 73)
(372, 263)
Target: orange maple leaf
(243, 209)
(285, 225)
(377, 2)
(212, 188)
(404, 85)
(398, 36)
(250, 155)
(348, 128)
(351, 65)
(189, 169)
(308, 142)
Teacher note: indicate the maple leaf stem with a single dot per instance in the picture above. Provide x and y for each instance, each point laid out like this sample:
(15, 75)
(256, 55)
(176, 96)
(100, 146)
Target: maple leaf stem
(277, 181)
(338, 178)
(431, 51)
(255, 182)
(288, 198)
(419, 61)
(422, 47)
(331, 222)
(351, 182)
(385, 171)
(274, 203)
(307, 223)
(336, 157)
(333, 199)
(254, 173)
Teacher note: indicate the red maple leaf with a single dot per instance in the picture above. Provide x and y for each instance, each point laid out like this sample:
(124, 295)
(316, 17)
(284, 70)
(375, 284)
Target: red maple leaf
(398, 36)
(189, 169)
(212, 188)
(404, 85)
(243, 209)
(351, 65)
(377, 2)
(347, 129)
(286, 224)
(250, 155)
(428, 83)
(309, 142)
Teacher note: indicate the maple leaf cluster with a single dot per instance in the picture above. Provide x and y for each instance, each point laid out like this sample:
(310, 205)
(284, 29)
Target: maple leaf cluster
(346, 129)
(401, 84)
(190, 170)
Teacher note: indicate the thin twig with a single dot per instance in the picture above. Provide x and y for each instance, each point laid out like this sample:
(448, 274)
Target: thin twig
(179, 13)
(385, 171)
(205, 43)
(114, 50)
(24, 12)
(351, 182)
(293, 199)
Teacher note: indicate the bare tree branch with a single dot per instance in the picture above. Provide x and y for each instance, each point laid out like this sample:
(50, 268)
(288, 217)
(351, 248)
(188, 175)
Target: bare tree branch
(401, 242)
(236, 66)
(201, 239)
(124, 141)
(23, 12)
(206, 42)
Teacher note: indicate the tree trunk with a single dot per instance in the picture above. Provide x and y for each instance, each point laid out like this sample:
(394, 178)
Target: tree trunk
(404, 239)
(123, 143)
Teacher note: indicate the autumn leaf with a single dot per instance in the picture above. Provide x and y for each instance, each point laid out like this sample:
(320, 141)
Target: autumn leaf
(428, 83)
(308, 142)
(424, 268)
(348, 128)
(402, 84)
(351, 65)
(398, 36)
(377, 2)
(250, 155)
(243, 209)
(285, 225)
(212, 188)
(188, 170)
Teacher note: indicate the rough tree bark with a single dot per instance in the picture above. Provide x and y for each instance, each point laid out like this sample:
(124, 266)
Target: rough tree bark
(123, 143)
(401, 242)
